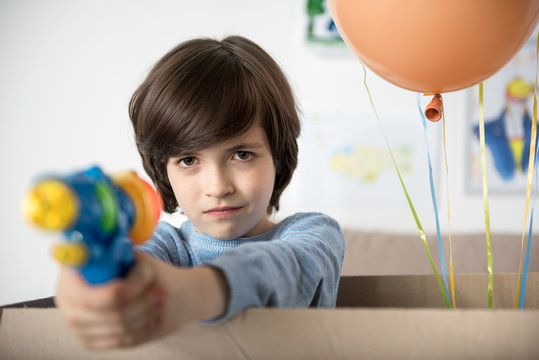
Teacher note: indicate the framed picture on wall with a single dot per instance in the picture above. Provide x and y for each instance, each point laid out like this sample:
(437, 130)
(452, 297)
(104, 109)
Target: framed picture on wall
(508, 104)
(320, 29)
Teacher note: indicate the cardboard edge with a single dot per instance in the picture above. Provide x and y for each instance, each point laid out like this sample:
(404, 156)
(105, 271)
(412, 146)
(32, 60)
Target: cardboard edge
(300, 334)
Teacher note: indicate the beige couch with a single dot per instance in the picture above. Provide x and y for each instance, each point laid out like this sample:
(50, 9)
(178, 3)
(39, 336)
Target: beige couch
(376, 253)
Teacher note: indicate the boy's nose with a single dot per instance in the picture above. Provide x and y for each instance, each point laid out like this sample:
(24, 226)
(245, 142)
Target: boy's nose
(218, 183)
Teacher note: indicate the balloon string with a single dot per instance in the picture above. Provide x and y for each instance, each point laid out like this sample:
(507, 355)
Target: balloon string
(528, 247)
(521, 289)
(485, 192)
(416, 218)
(433, 195)
(451, 272)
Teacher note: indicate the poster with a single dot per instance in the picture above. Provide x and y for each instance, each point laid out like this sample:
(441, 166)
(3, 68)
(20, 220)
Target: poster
(508, 104)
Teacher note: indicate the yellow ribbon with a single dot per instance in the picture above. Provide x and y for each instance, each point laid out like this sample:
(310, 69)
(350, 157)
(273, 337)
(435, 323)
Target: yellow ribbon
(451, 273)
(530, 173)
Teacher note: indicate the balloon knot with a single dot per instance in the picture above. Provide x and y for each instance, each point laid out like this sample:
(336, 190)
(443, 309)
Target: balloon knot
(434, 109)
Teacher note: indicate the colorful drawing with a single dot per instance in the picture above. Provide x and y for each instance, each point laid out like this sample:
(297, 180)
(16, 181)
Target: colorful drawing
(508, 135)
(365, 163)
(508, 108)
(344, 151)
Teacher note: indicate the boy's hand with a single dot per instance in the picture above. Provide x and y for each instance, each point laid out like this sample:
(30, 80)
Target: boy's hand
(121, 313)
(154, 299)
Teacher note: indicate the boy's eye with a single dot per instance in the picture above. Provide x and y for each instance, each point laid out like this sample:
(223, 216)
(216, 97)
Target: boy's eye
(187, 161)
(243, 155)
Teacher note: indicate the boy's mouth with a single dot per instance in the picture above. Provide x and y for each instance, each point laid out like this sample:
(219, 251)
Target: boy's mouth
(223, 212)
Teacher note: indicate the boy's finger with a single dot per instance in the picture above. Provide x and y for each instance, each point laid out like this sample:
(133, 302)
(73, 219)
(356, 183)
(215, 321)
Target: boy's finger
(146, 312)
(137, 323)
(108, 341)
(75, 291)
(143, 314)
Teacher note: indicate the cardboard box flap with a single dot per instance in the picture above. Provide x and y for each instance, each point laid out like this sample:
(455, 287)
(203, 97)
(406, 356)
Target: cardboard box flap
(422, 291)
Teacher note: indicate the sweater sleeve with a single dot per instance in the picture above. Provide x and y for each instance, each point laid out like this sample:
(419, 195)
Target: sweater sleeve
(167, 245)
(299, 268)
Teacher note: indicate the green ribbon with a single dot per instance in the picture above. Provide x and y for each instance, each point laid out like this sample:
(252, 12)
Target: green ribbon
(416, 218)
(485, 193)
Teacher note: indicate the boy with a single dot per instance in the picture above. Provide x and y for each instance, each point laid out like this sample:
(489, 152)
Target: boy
(216, 126)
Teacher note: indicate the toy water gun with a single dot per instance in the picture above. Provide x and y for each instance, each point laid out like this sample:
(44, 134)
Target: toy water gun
(101, 217)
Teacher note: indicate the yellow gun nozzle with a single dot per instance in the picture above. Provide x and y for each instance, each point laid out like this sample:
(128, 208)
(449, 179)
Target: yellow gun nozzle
(71, 254)
(51, 205)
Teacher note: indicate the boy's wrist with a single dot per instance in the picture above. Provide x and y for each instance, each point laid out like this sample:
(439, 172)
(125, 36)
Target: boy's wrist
(191, 294)
(214, 292)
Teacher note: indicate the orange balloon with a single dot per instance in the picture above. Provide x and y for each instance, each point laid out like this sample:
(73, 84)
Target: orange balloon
(435, 46)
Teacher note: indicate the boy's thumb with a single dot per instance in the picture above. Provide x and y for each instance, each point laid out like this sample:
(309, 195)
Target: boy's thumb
(141, 276)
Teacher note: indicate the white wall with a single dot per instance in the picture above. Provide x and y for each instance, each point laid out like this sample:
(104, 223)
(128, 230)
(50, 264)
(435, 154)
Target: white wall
(69, 67)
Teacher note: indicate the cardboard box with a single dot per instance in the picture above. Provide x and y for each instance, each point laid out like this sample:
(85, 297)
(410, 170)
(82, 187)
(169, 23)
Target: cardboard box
(378, 317)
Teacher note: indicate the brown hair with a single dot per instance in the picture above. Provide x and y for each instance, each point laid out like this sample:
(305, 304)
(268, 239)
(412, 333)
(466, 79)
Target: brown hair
(205, 91)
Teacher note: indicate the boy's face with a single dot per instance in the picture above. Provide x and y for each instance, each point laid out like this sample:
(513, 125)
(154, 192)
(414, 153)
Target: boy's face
(225, 189)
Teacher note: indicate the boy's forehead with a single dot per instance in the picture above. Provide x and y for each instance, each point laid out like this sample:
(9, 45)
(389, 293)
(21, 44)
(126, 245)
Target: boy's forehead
(255, 134)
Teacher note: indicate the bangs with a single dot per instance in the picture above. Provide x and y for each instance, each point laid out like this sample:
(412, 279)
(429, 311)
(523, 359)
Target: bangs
(218, 104)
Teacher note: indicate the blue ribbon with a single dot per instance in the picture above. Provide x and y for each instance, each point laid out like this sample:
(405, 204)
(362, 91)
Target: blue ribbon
(433, 195)
(528, 244)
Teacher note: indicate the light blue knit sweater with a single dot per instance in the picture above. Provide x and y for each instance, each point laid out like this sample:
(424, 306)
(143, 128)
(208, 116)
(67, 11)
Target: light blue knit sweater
(296, 263)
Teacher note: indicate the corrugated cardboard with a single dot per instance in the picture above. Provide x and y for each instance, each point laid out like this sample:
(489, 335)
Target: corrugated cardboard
(379, 317)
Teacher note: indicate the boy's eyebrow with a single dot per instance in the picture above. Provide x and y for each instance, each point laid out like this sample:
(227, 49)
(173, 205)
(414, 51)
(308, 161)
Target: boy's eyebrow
(232, 148)
(241, 146)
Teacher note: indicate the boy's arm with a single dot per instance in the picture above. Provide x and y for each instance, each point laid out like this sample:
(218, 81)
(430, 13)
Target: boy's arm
(301, 268)
(154, 299)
